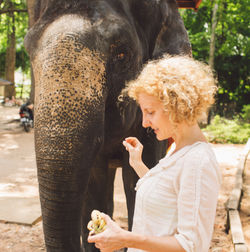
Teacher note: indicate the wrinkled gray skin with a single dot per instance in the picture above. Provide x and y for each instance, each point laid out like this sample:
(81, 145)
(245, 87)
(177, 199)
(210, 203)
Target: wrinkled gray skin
(82, 53)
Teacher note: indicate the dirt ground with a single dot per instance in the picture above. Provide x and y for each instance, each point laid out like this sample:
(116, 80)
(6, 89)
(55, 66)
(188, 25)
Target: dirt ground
(23, 238)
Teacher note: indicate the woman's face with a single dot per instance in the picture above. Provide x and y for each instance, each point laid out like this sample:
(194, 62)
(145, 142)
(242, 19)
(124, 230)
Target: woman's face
(155, 117)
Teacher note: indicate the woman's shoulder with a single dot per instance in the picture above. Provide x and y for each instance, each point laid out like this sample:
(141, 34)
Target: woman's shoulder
(200, 150)
(203, 159)
(197, 155)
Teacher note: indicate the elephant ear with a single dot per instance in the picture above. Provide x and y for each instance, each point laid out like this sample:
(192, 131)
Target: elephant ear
(173, 37)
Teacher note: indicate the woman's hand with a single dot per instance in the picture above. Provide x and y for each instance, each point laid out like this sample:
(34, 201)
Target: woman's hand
(111, 239)
(134, 147)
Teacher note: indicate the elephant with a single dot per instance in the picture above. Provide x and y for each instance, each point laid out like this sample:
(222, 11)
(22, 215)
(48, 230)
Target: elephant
(82, 54)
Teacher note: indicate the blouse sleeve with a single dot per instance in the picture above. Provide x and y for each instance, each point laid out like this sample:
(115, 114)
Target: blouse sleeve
(197, 189)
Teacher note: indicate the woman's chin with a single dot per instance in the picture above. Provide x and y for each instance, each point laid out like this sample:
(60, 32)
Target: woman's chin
(159, 137)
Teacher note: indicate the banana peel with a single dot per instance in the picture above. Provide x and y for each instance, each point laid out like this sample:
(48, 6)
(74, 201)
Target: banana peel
(97, 224)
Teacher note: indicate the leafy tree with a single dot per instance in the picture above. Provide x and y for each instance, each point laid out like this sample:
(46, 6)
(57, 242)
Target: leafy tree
(13, 27)
(231, 49)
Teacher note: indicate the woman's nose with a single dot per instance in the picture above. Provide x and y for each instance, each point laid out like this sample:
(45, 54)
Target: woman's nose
(145, 122)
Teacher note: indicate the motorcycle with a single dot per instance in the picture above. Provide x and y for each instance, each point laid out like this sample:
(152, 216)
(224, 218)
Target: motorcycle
(26, 122)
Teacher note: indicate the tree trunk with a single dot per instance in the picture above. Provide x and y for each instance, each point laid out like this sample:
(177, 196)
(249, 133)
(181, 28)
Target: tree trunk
(31, 13)
(10, 61)
(212, 41)
(212, 47)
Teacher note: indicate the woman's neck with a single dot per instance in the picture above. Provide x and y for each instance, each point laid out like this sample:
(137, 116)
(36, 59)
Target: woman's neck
(188, 135)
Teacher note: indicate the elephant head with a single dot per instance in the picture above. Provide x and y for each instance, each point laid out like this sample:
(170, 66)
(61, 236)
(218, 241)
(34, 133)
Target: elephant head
(82, 53)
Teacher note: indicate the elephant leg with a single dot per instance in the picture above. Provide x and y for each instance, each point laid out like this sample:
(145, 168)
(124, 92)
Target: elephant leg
(110, 191)
(129, 181)
(99, 195)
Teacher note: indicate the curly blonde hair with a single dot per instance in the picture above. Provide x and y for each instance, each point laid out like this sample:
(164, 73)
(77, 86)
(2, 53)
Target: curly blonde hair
(185, 86)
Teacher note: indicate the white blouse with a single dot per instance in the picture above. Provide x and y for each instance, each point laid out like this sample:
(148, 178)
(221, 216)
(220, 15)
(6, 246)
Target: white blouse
(179, 197)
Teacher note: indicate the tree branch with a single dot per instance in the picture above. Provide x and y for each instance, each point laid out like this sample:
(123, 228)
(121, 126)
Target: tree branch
(13, 10)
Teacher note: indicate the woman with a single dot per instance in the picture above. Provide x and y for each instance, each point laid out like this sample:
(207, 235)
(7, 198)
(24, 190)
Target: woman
(176, 200)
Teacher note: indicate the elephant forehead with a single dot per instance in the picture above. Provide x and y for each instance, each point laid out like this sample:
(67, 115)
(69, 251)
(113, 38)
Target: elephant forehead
(64, 62)
(64, 24)
(69, 81)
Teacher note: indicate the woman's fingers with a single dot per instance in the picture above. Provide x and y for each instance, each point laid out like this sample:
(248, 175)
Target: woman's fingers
(133, 141)
(125, 144)
(97, 245)
(107, 240)
(128, 146)
(93, 238)
(106, 218)
(92, 232)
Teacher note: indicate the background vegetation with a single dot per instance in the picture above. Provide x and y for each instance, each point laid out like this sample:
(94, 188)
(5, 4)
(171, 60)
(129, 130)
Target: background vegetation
(231, 113)
(223, 130)
(13, 27)
(224, 23)
(21, 26)
(232, 48)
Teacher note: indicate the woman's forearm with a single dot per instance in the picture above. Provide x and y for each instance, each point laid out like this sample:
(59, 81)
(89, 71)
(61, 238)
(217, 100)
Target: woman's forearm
(140, 168)
(115, 238)
(151, 243)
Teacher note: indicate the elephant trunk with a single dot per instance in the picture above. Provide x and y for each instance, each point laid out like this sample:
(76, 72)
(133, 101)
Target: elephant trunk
(69, 124)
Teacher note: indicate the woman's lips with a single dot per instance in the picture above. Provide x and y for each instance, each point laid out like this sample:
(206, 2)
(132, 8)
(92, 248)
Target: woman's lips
(155, 130)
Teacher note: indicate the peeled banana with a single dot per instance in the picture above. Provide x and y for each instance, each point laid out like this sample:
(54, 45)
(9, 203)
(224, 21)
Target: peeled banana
(97, 224)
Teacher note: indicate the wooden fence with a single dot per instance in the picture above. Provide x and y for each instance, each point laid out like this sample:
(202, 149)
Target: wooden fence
(233, 205)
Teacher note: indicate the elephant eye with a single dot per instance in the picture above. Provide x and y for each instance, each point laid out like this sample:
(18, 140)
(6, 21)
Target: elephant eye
(119, 52)
(120, 56)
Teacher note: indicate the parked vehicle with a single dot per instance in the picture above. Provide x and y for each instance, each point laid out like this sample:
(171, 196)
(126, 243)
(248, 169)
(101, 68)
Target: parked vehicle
(26, 122)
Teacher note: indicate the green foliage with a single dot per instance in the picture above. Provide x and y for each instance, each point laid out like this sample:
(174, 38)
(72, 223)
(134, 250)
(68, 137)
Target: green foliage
(21, 27)
(23, 91)
(246, 113)
(198, 27)
(222, 130)
(232, 49)
(22, 60)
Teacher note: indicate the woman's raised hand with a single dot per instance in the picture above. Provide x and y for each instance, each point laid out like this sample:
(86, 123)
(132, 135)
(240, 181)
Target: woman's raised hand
(134, 147)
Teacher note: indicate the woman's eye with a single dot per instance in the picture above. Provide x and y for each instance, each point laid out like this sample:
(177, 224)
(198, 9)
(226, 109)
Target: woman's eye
(150, 112)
